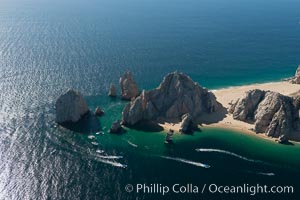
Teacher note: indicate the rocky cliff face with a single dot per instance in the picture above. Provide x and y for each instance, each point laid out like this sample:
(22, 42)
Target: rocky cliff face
(245, 108)
(129, 88)
(272, 113)
(177, 95)
(70, 107)
(296, 78)
(112, 91)
(186, 124)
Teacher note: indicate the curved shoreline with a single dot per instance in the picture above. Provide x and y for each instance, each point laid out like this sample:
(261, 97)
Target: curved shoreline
(228, 95)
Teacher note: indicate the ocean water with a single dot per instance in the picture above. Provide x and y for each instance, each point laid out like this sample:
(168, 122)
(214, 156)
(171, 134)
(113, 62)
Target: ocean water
(48, 46)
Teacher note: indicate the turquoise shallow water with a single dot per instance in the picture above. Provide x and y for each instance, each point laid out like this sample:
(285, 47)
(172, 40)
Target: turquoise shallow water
(49, 46)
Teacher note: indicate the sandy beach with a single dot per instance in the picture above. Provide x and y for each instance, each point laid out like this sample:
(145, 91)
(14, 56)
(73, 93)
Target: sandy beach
(228, 95)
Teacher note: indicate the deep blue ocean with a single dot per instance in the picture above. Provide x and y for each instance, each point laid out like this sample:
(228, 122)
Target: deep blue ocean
(48, 46)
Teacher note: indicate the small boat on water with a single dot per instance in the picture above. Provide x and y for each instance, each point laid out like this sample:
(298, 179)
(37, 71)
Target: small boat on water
(95, 143)
(99, 151)
(169, 136)
(91, 137)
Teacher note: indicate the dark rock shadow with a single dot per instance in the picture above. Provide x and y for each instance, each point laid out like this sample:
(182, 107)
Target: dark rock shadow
(192, 130)
(88, 123)
(286, 143)
(153, 126)
(213, 117)
(147, 126)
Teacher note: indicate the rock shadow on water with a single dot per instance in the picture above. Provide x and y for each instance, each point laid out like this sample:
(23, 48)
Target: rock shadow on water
(87, 124)
(287, 143)
(192, 130)
(147, 126)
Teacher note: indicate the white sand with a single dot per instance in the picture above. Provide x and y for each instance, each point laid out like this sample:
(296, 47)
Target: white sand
(228, 95)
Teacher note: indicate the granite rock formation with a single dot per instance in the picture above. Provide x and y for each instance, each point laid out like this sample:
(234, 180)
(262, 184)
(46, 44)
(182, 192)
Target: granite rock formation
(70, 107)
(116, 127)
(272, 113)
(244, 109)
(282, 139)
(177, 95)
(99, 112)
(112, 91)
(296, 78)
(129, 87)
(186, 125)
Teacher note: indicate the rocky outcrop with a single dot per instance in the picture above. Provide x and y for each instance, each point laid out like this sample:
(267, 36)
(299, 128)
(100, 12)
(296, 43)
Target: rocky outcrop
(99, 112)
(177, 95)
(116, 127)
(282, 139)
(296, 78)
(186, 125)
(129, 88)
(243, 109)
(272, 113)
(70, 107)
(112, 91)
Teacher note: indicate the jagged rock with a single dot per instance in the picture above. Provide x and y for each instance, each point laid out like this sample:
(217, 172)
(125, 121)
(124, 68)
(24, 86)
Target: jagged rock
(282, 139)
(186, 125)
(129, 88)
(116, 127)
(99, 112)
(296, 78)
(272, 113)
(244, 108)
(70, 107)
(177, 95)
(112, 91)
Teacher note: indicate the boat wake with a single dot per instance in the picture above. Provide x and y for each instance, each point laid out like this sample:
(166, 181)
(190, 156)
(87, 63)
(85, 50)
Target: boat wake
(107, 159)
(262, 173)
(116, 164)
(110, 157)
(186, 161)
(132, 144)
(229, 153)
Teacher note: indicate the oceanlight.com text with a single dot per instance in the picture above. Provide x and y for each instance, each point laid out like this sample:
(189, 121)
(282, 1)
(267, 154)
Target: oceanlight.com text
(189, 188)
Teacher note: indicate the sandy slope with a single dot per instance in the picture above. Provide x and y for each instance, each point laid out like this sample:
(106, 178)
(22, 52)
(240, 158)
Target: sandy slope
(227, 95)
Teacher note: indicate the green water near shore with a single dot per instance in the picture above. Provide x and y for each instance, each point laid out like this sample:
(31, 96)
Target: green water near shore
(48, 46)
(152, 142)
(234, 157)
(248, 145)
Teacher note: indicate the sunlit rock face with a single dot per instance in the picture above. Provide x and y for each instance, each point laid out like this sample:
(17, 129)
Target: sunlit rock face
(272, 113)
(177, 95)
(112, 91)
(129, 88)
(70, 107)
(296, 78)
